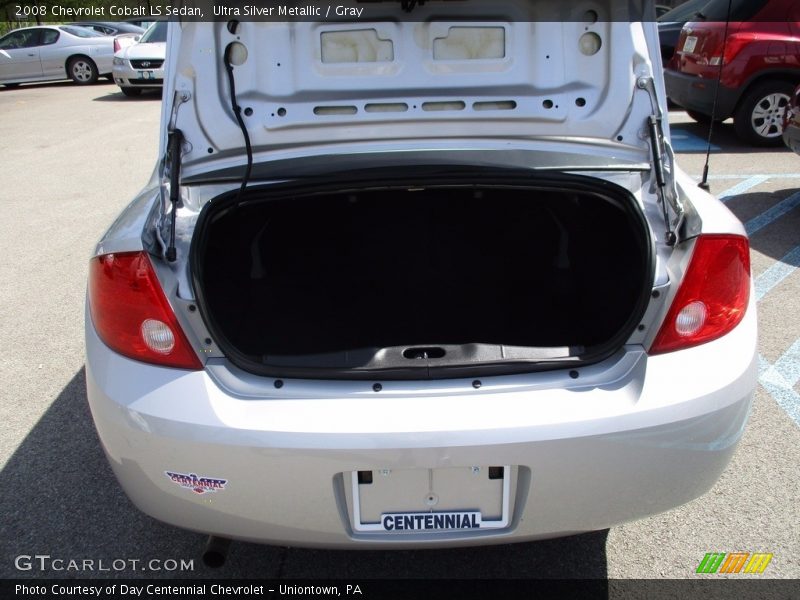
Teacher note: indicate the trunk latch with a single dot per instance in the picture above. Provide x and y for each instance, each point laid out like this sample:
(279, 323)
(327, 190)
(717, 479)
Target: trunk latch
(423, 353)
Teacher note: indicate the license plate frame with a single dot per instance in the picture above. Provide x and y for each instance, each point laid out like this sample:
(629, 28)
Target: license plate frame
(466, 518)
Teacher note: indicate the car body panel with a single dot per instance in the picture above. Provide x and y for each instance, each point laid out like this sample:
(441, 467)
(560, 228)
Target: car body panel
(791, 128)
(230, 453)
(671, 23)
(141, 64)
(762, 49)
(47, 62)
(589, 454)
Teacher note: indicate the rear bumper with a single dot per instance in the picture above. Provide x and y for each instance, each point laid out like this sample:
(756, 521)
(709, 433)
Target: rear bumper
(656, 433)
(697, 94)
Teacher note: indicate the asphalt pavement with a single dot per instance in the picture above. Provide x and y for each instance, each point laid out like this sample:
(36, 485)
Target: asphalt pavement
(73, 157)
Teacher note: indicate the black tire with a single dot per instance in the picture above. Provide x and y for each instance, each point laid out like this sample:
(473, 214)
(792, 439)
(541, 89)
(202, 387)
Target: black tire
(131, 91)
(758, 119)
(82, 70)
(699, 117)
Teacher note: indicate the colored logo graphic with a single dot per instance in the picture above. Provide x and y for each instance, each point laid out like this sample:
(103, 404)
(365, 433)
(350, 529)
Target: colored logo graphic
(199, 485)
(734, 562)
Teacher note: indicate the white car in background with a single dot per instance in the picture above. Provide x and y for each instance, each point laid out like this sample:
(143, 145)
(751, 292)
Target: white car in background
(53, 52)
(419, 282)
(140, 66)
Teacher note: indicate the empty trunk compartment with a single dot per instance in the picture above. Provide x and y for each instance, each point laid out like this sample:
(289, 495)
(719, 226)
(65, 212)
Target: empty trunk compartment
(422, 276)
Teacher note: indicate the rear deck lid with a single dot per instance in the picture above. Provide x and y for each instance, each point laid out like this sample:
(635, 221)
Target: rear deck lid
(509, 74)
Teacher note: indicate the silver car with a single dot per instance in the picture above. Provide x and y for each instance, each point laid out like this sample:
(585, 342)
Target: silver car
(140, 66)
(403, 284)
(54, 52)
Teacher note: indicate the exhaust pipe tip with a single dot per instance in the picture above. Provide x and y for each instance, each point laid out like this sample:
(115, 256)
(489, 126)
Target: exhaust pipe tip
(216, 551)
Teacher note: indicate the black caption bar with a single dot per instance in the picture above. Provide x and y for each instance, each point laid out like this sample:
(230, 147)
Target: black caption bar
(388, 589)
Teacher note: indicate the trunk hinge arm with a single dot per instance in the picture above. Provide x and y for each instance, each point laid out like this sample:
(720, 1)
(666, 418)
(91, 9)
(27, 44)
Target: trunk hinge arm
(661, 154)
(172, 169)
(173, 160)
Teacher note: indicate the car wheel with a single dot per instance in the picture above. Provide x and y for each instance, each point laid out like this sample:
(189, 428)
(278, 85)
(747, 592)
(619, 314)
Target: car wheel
(759, 117)
(82, 70)
(130, 91)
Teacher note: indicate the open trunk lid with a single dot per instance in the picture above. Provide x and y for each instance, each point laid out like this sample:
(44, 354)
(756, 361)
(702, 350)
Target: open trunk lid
(470, 74)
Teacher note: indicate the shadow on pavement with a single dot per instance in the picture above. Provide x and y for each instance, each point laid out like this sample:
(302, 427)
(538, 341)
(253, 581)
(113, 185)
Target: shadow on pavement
(774, 237)
(146, 96)
(51, 84)
(61, 499)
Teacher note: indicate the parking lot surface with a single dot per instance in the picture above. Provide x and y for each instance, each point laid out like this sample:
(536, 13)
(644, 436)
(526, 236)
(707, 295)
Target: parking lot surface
(75, 156)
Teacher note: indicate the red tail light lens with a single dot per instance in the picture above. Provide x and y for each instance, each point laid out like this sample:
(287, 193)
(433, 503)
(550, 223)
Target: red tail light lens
(132, 315)
(712, 297)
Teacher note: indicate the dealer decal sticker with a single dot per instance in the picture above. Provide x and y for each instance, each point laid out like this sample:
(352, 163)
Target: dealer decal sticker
(199, 485)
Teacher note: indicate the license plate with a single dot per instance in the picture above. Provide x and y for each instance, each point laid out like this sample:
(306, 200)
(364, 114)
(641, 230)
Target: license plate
(407, 501)
(146, 74)
(689, 44)
(430, 521)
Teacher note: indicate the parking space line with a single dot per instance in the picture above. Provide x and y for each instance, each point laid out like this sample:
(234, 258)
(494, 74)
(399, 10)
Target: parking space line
(742, 187)
(779, 380)
(777, 272)
(777, 211)
(684, 140)
(739, 176)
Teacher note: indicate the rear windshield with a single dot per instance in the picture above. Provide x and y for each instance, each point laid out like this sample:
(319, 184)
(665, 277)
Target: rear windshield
(741, 10)
(81, 32)
(155, 33)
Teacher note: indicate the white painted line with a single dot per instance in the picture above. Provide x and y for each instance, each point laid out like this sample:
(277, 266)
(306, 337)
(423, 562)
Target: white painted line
(777, 273)
(777, 211)
(740, 176)
(743, 186)
(779, 380)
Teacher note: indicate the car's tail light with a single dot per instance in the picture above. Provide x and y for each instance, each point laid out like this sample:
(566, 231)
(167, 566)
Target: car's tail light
(735, 44)
(132, 315)
(713, 296)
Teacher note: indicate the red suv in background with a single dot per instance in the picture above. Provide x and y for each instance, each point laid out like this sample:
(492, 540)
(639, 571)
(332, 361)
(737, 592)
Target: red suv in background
(759, 69)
